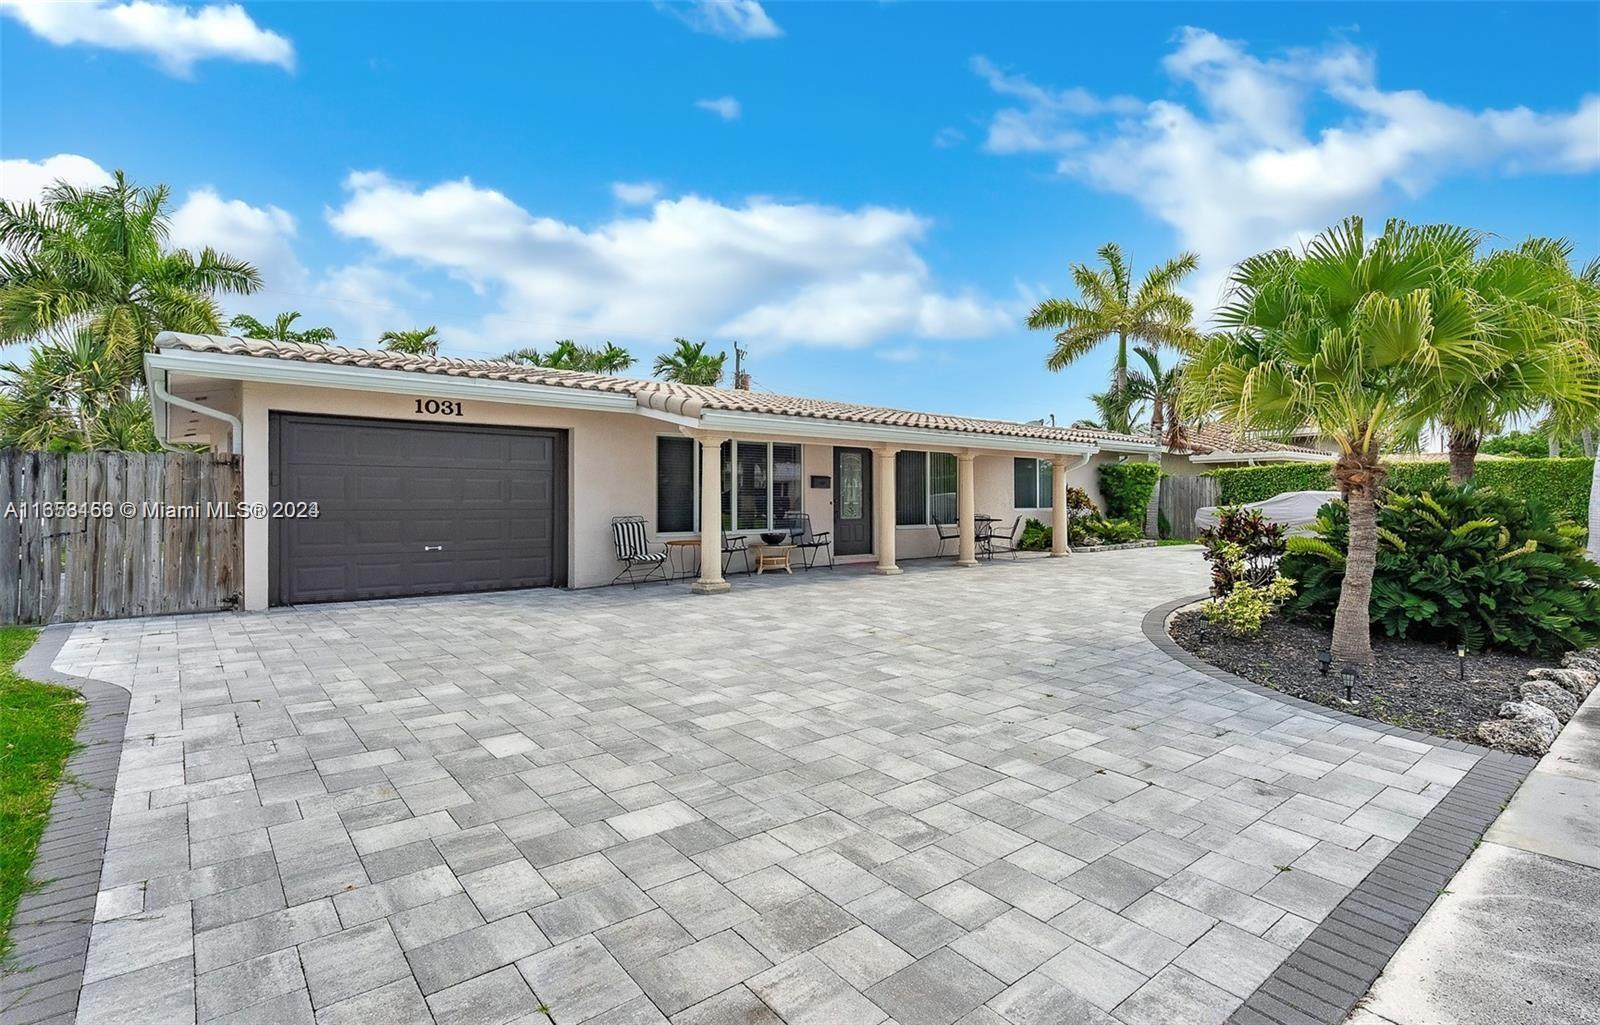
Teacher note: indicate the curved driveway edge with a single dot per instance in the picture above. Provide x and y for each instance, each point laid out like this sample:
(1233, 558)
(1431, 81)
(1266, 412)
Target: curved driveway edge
(41, 980)
(1332, 969)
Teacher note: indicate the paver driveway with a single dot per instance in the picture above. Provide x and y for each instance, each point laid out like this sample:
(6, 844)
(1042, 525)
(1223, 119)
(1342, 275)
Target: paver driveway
(977, 795)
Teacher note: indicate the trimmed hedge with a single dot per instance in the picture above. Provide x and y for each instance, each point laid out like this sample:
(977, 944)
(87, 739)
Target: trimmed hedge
(1561, 485)
(1127, 487)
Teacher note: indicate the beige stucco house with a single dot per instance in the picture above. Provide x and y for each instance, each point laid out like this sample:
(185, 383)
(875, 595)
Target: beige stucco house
(1212, 446)
(435, 475)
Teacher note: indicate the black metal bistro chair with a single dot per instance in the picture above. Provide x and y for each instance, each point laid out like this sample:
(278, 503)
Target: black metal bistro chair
(946, 532)
(640, 564)
(994, 541)
(735, 544)
(809, 542)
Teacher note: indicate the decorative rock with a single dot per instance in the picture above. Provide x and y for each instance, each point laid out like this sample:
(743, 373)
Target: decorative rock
(1551, 696)
(1539, 719)
(1588, 658)
(1579, 681)
(1513, 736)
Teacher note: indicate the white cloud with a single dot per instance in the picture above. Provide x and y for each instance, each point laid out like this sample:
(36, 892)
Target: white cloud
(24, 181)
(767, 272)
(730, 19)
(175, 35)
(262, 235)
(635, 193)
(1241, 168)
(725, 107)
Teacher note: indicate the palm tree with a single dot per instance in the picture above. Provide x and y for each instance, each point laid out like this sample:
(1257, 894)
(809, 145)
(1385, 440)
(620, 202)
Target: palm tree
(1536, 357)
(281, 329)
(419, 341)
(97, 259)
(1351, 338)
(1108, 307)
(569, 355)
(1160, 388)
(70, 396)
(689, 363)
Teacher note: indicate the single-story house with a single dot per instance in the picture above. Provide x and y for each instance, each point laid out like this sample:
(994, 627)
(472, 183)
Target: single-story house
(1211, 446)
(435, 475)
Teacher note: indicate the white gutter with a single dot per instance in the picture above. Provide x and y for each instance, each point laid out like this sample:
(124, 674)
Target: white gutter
(1262, 457)
(266, 370)
(734, 422)
(164, 398)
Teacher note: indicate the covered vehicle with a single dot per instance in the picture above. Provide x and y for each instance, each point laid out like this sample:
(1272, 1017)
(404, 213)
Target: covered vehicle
(1294, 509)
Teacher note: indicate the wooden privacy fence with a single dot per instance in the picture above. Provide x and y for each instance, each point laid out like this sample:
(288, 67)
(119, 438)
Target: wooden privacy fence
(1180, 497)
(102, 535)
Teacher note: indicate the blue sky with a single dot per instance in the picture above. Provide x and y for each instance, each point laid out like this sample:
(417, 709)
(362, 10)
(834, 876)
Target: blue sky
(868, 196)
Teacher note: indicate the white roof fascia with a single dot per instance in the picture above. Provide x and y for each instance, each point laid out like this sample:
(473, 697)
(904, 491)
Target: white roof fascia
(1262, 457)
(938, 439)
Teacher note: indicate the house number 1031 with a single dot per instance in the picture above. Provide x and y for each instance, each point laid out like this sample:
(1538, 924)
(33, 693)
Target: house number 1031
(440, 407)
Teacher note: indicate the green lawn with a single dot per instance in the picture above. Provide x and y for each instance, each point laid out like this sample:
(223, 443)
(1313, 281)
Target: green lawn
(1169, 541)
(37, 724)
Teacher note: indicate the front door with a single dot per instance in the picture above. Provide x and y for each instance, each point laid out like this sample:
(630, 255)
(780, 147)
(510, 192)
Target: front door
(852, 501)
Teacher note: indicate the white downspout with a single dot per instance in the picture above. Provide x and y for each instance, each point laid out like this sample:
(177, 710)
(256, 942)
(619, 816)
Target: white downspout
(158, 388)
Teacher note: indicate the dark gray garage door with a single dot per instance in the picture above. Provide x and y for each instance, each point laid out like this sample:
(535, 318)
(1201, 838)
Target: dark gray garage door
(408, 509)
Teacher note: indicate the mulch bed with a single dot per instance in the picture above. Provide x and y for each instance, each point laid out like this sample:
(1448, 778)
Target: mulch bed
(1414, 684)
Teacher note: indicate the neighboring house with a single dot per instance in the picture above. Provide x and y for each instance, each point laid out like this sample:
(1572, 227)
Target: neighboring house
(436, 475)
(1212, 446)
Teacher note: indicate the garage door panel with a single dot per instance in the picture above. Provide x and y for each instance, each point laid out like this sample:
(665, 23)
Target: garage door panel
(486, 497)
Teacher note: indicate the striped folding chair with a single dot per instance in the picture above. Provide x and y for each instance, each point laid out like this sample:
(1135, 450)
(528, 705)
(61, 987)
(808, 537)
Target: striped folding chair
(633, 551)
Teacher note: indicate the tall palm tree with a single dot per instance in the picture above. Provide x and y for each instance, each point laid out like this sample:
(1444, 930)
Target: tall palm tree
(1352, 338)
(98, 259)
(281, 329)
(569, 355)
(419, 341)
(1160, 388)
(1536, 357)
(689, 363)
(1109, 307)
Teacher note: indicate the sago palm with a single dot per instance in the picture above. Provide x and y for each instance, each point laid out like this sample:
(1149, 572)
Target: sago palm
(689, 363)
(418, 341)
(98, 259)
(281, 329)
(1352, 338)
(1109, 307)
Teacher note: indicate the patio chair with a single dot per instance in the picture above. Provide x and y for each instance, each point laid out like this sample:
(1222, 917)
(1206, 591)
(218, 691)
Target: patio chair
(994, 541)
(798, 524)
(735, 544)
(946, 532)
(633, 551)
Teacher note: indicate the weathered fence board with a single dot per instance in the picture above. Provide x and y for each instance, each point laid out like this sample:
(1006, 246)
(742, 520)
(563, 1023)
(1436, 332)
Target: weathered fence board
(1181, 497)
(99, 535)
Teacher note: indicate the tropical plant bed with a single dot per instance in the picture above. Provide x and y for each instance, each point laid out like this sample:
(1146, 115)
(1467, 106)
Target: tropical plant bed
(1414, 684)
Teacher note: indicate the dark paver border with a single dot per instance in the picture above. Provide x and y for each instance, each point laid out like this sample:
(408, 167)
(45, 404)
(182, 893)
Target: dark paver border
(1334, 967)
(50, 932)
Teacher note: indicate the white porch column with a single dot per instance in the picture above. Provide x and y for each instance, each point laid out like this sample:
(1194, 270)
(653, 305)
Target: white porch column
(1058, 508)
(710, 580)
(966, 509)
(883, 511)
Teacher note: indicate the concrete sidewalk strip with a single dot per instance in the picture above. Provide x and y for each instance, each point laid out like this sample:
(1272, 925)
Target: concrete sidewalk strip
(827, 798)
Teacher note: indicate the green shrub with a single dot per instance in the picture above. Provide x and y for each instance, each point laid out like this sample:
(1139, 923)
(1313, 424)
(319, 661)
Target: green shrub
(1527, 443)
(1244, 608)
(1474, 565)
(1242, 546)
(1561, 485)
(1098, 530)
(1036, 536)
(1127, 487)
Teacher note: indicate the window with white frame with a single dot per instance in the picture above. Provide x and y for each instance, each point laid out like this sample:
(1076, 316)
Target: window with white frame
(1031, 486)
(924, 488)
(761, 484)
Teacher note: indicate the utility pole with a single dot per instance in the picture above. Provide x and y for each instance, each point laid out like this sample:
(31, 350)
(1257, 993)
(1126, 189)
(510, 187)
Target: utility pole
(741, 380)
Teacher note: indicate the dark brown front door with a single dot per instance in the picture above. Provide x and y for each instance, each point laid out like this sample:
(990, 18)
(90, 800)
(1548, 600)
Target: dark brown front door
(412, 508)
(852, 501)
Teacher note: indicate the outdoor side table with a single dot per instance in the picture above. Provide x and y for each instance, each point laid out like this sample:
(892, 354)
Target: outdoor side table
(773, 557)
(681, 544)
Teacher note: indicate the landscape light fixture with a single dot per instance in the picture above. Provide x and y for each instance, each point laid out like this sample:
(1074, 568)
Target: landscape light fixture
(1348, 677)
(1324, 661)
(1461, 661)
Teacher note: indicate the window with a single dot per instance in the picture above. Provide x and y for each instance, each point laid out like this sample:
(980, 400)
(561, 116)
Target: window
(1032, 486)
(761, 481)
(924, 488)
(675, 484)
